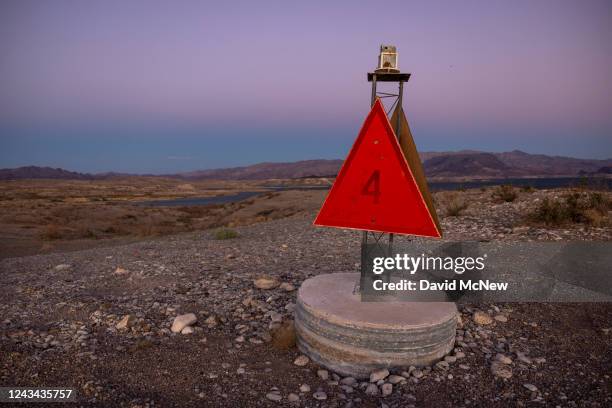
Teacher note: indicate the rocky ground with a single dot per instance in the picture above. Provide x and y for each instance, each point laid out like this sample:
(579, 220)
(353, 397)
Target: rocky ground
(104, 321)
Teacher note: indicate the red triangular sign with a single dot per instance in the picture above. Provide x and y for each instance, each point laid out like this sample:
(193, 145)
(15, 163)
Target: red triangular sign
(375, 189)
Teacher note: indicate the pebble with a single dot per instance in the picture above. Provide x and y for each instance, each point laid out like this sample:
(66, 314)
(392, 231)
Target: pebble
(293, 397)
(266, 282)
(62, 267)
(503, 358)
(379, 375)
(501, 370)
(276, 317)
(482, 318)
(301, 361)
(211, 321)
(395, 379)
(442, 365)
(319, 395)
(372, 389)
(304, 388)
(323, 374)
(182, 321)
(523, 357)
(187, 330)
(125, 323)
(348, 381)
(272, 396)
(347, 388)
(287, 287)
(386, 389)
(501, 318)
(530, 387)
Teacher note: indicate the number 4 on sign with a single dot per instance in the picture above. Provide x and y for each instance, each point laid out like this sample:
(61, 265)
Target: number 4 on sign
(372, 186)
(355, 200)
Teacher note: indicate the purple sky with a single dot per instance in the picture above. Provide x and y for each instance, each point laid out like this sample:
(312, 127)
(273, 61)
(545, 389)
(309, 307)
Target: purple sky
(149, 86)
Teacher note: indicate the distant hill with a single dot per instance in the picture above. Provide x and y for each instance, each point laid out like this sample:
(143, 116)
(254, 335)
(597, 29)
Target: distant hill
(35, 172)
(300, 169)
(465, 163)
(468, 164)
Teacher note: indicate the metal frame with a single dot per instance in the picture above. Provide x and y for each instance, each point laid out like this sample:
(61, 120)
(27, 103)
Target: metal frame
(374, 78)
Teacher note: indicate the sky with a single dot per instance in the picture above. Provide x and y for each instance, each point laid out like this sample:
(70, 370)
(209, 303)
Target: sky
(169, 86)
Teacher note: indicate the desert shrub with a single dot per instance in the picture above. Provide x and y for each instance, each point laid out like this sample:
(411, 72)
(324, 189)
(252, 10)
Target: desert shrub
(455, 207)
(505, 193)
(528, 189)
(586, 208)
(225, 233)
(599, 202)
(550, 212)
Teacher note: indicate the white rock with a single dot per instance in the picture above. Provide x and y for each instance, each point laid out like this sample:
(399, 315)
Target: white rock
(182, 321)
(501, 318)
(62, 267)
(273, 396)
(320, 395)
(482, 318)
(301, 361)
(187, 330)
(530, 387)
(125, 323)
(379, 375)
(304, 388)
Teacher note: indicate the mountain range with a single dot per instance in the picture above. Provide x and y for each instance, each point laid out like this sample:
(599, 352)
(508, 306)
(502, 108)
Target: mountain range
(461, 164)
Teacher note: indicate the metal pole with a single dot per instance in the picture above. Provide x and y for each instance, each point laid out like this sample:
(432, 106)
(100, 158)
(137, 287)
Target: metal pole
(373, 90)
(399, 104)
(364, 238)
(398, 125)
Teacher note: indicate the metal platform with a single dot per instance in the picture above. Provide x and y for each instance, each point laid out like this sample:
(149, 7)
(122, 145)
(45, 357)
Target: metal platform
(389, 76)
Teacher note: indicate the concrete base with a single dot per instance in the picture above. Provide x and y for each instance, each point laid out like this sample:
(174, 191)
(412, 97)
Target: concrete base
(353, 338)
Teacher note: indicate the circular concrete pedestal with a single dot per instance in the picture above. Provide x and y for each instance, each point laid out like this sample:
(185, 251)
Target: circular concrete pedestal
(353, 338)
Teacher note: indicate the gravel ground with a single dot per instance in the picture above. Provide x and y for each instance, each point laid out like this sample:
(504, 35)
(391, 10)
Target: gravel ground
(99, 320)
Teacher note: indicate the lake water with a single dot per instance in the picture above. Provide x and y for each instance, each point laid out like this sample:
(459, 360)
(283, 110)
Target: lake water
(538, 183)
